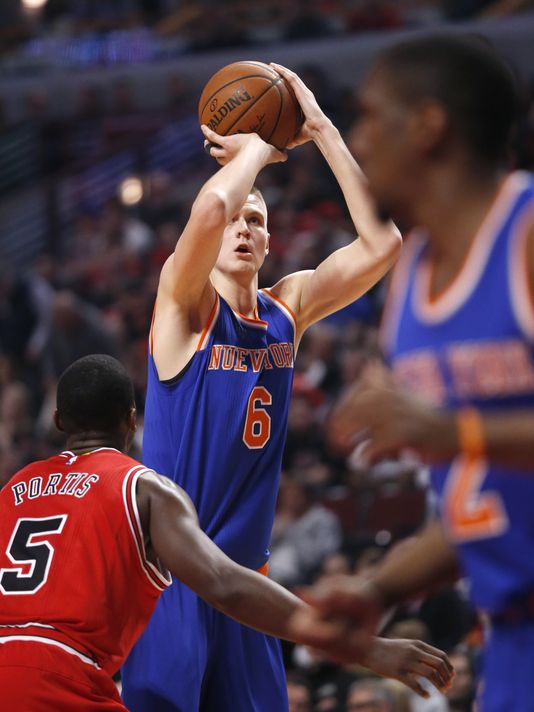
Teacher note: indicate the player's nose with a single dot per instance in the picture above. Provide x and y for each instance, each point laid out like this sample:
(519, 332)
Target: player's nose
(242, 227)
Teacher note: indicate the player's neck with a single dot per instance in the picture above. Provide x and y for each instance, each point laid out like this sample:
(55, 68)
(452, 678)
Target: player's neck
(241, 295)
(455, 210)
(85, 442)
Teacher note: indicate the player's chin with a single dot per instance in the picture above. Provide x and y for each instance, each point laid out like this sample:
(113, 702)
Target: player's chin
(242, 264)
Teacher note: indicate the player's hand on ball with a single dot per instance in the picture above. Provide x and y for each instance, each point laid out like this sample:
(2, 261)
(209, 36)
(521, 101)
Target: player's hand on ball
(315, 120)
(225, 148)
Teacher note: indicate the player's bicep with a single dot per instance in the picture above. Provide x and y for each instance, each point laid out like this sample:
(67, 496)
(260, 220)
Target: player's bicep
(340, 279)
(187, 272)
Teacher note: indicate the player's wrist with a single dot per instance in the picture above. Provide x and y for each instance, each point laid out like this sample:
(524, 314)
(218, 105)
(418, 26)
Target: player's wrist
(323, 129)
(470, 432)
(381, 594)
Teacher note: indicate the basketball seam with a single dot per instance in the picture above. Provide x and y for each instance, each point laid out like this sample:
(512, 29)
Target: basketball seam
(248, 76)
(241, 116)
(279, 111)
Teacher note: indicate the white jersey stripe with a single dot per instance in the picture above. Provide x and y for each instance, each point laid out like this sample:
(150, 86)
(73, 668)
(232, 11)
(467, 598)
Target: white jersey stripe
(50, 641)
(156, 578)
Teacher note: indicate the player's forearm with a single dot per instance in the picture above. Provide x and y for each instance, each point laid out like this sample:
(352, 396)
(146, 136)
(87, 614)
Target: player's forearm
(502, 438)
(382, 237)
(232, 183)
(417, 567)
(508, 438)
(256, 601)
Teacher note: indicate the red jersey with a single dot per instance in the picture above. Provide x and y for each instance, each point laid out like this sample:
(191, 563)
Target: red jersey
(73, 570)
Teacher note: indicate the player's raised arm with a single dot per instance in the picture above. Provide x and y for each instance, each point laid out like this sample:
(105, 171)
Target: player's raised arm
(185, 276)
(352, 270)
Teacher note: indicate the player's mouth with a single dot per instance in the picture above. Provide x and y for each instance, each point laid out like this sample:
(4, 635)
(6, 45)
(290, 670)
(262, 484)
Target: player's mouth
(243, 250)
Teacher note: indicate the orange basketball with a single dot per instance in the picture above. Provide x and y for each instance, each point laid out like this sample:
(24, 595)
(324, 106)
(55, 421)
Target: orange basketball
(251, 97)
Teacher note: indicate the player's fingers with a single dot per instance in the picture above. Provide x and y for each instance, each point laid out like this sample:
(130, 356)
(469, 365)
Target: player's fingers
(292, 78)
(413, 683)
(380, 449)
(212, 136)
(284, 71)
(440, 658)
(209, 147)
(281, 156)
(438, 676)
(433, 675)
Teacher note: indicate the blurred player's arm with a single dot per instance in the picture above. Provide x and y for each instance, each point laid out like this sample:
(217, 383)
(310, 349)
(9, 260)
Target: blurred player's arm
(169, 521)
(392, 419)
(252, 599)
(350, 271)
(345, 612)
(185, 275)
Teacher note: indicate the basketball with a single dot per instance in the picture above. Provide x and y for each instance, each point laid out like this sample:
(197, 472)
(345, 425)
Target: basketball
(251, 97)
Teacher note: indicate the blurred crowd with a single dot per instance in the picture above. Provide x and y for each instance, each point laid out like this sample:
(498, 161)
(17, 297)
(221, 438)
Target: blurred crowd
(95, 293)
(201, 25)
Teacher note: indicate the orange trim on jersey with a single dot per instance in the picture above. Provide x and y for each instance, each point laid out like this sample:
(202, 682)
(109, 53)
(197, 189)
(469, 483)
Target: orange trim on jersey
(253, 321)
(397, 288)
(282, 305)
(264, 570)
(433, 309)
(210, 323)
(521, 292)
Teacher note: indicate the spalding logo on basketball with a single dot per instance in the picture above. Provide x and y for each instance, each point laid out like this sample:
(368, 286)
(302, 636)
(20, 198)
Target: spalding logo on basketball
(251, 97)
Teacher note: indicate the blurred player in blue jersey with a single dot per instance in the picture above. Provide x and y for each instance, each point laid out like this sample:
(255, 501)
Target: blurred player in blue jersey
(219, 384)
(437, 115)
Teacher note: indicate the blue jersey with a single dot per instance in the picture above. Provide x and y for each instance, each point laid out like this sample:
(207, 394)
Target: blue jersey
(218, 430)
(474, 345)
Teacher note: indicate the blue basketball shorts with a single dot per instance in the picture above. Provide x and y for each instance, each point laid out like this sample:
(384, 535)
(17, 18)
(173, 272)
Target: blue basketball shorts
(191, 657)
(507, 684)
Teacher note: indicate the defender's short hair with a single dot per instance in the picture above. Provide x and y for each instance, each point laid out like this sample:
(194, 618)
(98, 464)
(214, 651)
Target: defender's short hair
(95, 393)
(467, 76)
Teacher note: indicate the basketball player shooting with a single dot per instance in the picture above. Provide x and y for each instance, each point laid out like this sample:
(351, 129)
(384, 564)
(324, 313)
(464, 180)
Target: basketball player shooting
(219, 383)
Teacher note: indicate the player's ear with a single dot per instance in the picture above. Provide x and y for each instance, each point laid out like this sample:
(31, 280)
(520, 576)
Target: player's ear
(267, 243)
(431, 124)
(132, 419)
(57, 421)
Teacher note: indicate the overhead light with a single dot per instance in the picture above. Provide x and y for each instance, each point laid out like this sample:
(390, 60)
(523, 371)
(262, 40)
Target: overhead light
(131, 190)
(33, 4)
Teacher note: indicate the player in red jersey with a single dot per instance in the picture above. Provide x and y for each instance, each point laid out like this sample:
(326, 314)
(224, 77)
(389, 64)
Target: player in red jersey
(79, 572)
(87, 539)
